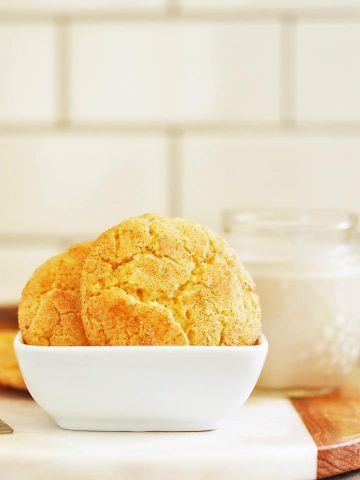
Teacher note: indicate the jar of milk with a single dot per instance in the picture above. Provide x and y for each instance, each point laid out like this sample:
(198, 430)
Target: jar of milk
(306, 266)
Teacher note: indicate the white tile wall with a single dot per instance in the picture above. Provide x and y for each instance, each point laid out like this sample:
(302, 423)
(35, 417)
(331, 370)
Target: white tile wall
(290, 5)
(84, 82)
(80, 6)
(328, 72)
(175, 72)
(17, 264)
(223, 171)
(71, 6)
(27, 73)
(67, 184)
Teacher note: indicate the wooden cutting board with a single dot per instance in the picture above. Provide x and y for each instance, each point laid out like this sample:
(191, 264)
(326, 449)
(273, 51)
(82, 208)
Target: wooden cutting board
(8, 316)
(334, 423)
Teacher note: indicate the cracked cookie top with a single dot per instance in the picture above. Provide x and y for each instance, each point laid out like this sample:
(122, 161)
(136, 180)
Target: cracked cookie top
(154, 280)
(50, 306)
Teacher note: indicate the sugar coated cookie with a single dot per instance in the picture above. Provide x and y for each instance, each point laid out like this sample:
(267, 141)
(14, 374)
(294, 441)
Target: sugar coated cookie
(50, 306)
(154, 280)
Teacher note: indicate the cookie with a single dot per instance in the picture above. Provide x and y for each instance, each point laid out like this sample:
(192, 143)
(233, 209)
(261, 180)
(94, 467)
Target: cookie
(50, 306)
(154, 280)
(10, 375)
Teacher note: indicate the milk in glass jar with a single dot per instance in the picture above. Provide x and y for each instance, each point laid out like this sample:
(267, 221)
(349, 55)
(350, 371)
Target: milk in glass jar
(306, 266)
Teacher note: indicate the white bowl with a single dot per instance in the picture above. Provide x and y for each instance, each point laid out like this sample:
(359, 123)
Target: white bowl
(140, 388)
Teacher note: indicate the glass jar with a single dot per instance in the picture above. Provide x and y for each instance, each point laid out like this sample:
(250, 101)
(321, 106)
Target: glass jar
(306, 266)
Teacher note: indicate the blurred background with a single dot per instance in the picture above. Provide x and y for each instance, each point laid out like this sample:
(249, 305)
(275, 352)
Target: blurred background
(183, 107)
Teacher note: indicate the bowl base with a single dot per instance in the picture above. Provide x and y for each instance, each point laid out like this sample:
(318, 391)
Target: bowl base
(134, 426)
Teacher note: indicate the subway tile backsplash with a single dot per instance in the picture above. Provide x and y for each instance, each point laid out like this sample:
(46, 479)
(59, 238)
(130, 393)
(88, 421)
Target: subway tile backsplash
(111, 108)
(288, 5)
(81, 6)
(226, 171)
(65, 184)
(28, 77)
(175, 72)
(328, 72)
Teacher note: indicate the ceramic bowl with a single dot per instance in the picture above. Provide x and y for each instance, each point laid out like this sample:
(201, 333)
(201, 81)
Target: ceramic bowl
(140, 388)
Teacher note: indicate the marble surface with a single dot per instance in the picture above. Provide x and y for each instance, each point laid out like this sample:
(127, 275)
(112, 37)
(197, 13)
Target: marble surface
(263, 439)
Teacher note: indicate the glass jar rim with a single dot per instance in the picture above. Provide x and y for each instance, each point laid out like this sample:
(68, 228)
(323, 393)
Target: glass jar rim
(293, 220)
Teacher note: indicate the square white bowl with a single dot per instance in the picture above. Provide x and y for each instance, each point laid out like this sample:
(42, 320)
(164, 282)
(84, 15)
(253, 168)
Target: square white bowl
(140, 388)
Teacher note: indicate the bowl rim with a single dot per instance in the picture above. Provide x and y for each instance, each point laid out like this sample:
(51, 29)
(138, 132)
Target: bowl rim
(19, 345)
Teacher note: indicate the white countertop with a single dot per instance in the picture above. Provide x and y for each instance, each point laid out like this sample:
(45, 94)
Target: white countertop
(263, 439)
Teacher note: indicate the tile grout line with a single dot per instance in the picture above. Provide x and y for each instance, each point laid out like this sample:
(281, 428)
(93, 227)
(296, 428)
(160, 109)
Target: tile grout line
(63, 73)
(287, 73)
(173, 8)
(140, 128)
(174, 172)
(173, 11)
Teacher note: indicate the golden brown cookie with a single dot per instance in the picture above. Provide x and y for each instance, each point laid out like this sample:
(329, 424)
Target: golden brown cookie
(154, 280)
(10, 375)
(50, 306)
